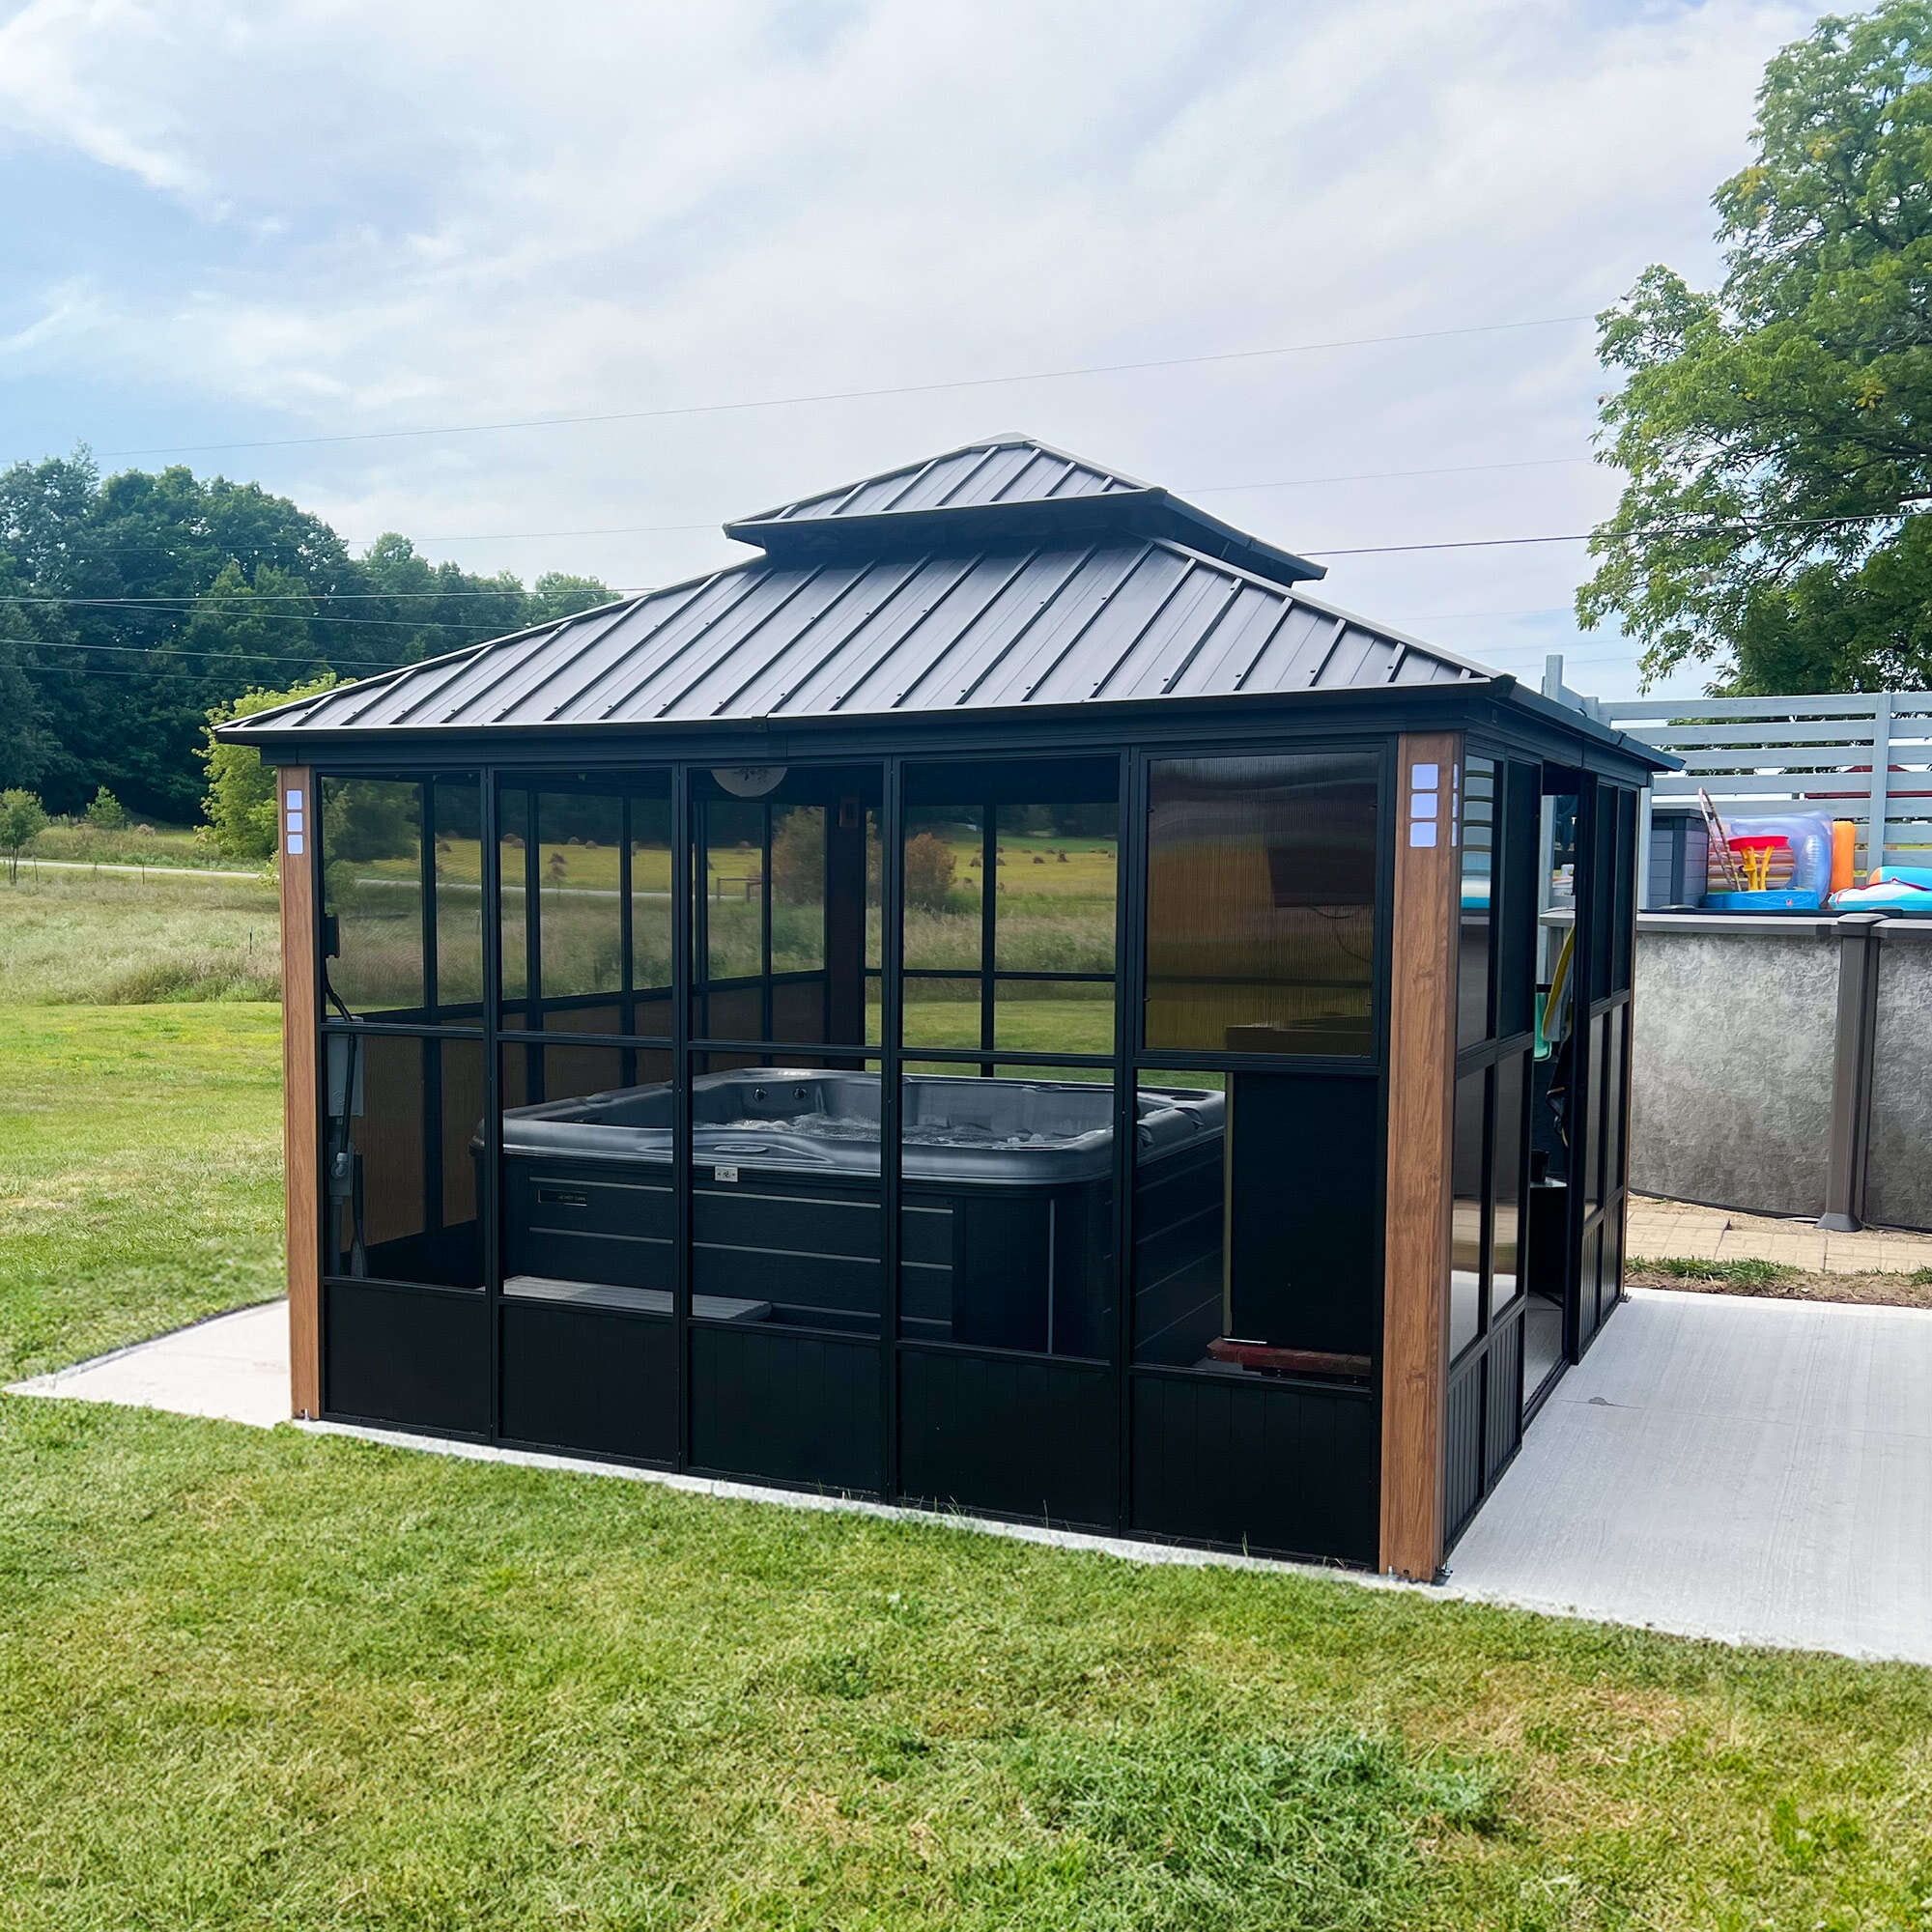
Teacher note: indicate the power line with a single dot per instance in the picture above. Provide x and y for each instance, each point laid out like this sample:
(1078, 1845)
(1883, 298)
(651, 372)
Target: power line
(173, 602)
(717, 523)
(856, 395)
(172, 651)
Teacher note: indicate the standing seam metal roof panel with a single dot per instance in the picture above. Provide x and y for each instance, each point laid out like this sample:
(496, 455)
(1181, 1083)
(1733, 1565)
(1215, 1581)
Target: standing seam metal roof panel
(910, 617)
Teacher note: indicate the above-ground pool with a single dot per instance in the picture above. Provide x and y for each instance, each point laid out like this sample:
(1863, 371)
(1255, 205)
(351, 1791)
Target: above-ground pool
(1006, 1234)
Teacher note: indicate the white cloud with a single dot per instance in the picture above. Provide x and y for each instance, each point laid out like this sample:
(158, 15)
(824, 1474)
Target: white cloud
(423, 213)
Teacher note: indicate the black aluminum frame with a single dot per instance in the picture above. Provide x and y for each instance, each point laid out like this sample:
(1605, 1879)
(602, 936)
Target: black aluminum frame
(1196, 732)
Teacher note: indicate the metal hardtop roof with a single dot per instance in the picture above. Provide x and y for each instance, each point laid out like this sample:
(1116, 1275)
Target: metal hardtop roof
(1000, 487)
(907, 622)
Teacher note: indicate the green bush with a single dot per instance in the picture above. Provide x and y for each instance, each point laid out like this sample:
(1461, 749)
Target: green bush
(22, 820)
(106, 813)
(240, 805)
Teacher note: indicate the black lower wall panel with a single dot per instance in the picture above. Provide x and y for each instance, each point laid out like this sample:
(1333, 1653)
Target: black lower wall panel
(1462, 1444)
(791, 1409)
(1030, 1439)
(590, 1380)
(1283, 1467)
(1502, 1432)
(405, 1355)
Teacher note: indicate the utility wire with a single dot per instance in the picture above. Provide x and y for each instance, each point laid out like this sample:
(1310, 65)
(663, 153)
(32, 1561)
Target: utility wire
(1360, 550)
(856, 395)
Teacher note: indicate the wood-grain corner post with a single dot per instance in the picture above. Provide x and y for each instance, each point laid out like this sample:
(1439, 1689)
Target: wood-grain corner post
(298, 810)
(1422, 1074)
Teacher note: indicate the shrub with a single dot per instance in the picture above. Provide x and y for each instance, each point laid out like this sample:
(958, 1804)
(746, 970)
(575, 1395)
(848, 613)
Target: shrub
(928, 872)
(240, 805)
(22, 820)
(106, 813)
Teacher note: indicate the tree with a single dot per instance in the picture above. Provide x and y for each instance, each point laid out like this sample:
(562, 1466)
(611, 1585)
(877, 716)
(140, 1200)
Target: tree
(556, 593)
(105, 811)
(928, 872)
(1776, 431)
(240, 805)
(22, 820)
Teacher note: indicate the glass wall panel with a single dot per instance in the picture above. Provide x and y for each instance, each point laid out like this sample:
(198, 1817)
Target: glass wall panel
(1509, 1171)
(372, 896)
(1054, 1015)
(1057, 871)
(1615, 1088)
(1465, 1234)
(1515, 924)
(798, 888)
(1007, 1208)
(581, 918)
(1261, 918)
(732, 883)
(517, 929)
(786, 1216)
(1591, 1151)
(403, 1136)
(456, 824)
(1479, 899)
(945, 885)
(586, 1204)
(1255, 1225)
(650, 908)
(941, 1012)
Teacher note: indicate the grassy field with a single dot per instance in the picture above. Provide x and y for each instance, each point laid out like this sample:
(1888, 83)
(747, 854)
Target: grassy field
(115, 938)
(264, 1680)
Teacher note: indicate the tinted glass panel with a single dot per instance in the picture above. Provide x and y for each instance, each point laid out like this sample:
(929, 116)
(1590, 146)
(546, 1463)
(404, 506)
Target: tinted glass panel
(372, 883)
(1465, 1234)
(1506, 1229)
(513, 861)
(1261, 904)
(1255, 1226)
(1479, 898)
(1614, 1088)
(1057, 871)
(402, 1122)
(1592, 1152)
(1054, 1015)
(1623, 932)
(945, 885)
(1515, 926)
(798, 888)
(730, 881)
(586, 1201)
(650, 904)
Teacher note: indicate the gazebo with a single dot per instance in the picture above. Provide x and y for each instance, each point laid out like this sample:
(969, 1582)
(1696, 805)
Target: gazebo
(1002, 1000)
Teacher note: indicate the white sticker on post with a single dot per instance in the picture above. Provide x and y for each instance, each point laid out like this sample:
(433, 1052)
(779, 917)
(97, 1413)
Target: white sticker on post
(1422, 832)
(294, 845)
(294, 820)
(1424, 778)
(294, 799)
(1422, 805)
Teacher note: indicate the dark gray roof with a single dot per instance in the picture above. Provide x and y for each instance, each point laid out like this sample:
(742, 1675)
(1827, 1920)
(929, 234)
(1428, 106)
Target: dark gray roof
(1002, 488)
(1002, 470)
(985, 630)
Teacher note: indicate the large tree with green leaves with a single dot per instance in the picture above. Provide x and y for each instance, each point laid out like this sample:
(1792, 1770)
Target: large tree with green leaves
(1777, 431)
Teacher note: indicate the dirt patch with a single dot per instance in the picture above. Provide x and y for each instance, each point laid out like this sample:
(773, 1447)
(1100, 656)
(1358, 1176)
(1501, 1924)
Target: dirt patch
(1887, 1291)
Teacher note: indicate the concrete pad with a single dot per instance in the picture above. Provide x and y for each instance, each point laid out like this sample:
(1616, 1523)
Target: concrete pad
(233, 1367)
(1726, 1466)
(1720, 1465)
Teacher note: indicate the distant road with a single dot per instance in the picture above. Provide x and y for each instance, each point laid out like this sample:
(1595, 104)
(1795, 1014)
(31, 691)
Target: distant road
(171, 872)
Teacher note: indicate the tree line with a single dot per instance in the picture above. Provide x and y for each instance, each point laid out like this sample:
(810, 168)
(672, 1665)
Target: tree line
(234, 589)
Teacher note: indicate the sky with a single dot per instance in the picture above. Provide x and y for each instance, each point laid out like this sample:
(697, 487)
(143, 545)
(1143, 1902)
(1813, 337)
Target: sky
(281, 222)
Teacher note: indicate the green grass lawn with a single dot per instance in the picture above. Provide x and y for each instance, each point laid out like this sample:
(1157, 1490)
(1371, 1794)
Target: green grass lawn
(265, 1680)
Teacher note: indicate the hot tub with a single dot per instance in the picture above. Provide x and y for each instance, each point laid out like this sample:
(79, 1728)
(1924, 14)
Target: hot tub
(1006, 1191)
